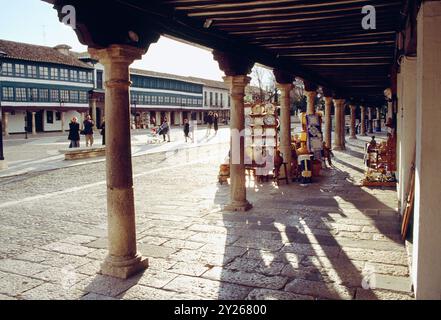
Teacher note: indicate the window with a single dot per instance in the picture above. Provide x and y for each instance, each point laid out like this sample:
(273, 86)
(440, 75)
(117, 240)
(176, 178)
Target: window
(99, 79)
(54, 74)
(20, 94)
(211, 99)
(58, 115)
(64, 95)
(161, 99)
(216, 96)
(43, 94)
(221, 100)
(32, 71)
(147, 99)
(178, 100)
(229, 101)
(44, 72)
(205, 98)
(90, 76)
(64, 74)
(49, 117)
(20, 70)
(55, 96)
(154, 99)
(73, 75)
(83, 96)
(73, 95)
(167, 99)
(83, 76)
(8, 93)
(173, 100)
(184, 101)
(33, 94)
(7, 69)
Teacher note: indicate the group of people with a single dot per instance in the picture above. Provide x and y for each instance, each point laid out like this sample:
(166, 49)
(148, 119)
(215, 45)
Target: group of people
(212, 121)
(88, 125)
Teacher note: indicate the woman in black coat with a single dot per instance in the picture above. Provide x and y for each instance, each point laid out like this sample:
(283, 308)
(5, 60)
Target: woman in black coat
(74, 133)
(103, 132)
(216, 122)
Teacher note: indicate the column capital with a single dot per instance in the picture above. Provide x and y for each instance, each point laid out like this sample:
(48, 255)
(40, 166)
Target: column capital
(284, 86)
(309, 86)
(353, 107)
(117, 53)
(233, 64)
(328, 100)
(283, 77)
(339, 102)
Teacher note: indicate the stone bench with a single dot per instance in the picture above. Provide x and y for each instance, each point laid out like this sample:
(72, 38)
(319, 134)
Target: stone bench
(83, 153)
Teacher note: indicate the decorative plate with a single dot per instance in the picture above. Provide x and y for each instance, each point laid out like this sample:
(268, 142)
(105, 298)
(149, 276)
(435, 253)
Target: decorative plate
(257, 109)
(269, 120)
(248, 121)
(258, 121)
(270, 108)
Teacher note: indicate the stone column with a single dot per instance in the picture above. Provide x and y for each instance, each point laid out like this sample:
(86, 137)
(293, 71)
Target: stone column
(168, 115)
(378, 122)
(338, 106)
(328, 121)
(123, 259)
(238, 196)
(310, 99)
(158, 118)
(426, 266)
(353, 131)
(34, 128)
(363, 120)
(5, 123)
(63, 117)
(82, 118)
(285, 123)
(343, 126)
(370, 121)
(93, 115)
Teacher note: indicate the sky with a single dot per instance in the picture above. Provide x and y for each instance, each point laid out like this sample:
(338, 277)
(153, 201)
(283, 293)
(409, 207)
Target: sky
(36, 22)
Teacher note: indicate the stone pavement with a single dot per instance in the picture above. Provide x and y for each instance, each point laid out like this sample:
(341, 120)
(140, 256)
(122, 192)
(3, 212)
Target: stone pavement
(331, 240)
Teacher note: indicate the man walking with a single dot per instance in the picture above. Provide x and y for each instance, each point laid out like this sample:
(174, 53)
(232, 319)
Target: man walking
(88, 130)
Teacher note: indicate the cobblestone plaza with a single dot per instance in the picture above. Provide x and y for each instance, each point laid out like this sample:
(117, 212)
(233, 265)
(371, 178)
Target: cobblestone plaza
(331, 240)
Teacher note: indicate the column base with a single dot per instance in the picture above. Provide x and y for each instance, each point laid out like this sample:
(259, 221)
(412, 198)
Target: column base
(238, 206)
(123, 267)
(3, 165)
(353, 138)
(338, 148)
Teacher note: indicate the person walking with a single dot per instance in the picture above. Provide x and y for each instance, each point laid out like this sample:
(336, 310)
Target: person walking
(209, 123)
(74, 133)
(164, 129)
(103, 132)
(215, 122)
(186, 129)
(88, 130)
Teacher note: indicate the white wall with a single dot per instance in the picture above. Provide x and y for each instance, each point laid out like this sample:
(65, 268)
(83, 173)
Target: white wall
(16, 123)
(224, 92)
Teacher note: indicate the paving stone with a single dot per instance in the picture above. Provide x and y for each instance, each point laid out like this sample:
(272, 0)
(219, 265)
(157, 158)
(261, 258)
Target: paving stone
(90, 269)
(100, 243)
(214, 238)
(267, 294)
(389, 269)
(255, 266)
(65, 277)
(380, 256)
(105, 285)
(320, 289)
(98, 254)
(148, 250)
(190, 269)
(139, 292)
(170, 233)
(369, 244)
(363, 294)
(208, 228)
(50, 291)
(312, 249)
(35, 255)
(94, 296)
(183, 244)
(160, 264)
(5, 297)
(223, 249)
(202, 257)
(245, 278)
(24, 268)
(14, 284)
(263, 244)
(156, 278)
(67, 248)
(208, 289)
(157, 241)
(393, 283)
(78, 239)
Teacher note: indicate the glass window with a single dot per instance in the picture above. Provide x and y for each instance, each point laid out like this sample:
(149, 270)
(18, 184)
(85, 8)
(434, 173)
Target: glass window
(44, 72)
(205, 98)
(99, 79)
(64, 95)
(64, 74)
(20, 94)
(211, 99)
(73, 95)
(221, 100)
(161, 99)
(54, 74)
(58, 115)
(229, 101)
(43, 94)
(20, 70)
(173, 100)
(8, 93)
(49, 117)
(167, 99)
(33, 94)
(83, 76)
(147, 99)
(154, 99)
(83, 96)
(216, 97)
(7, 69)
(32, 71)
(55, 96)
(178, 100)
(90, 76)
(73, 75)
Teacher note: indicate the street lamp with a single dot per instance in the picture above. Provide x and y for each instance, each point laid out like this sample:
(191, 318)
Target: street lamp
(2, 158)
